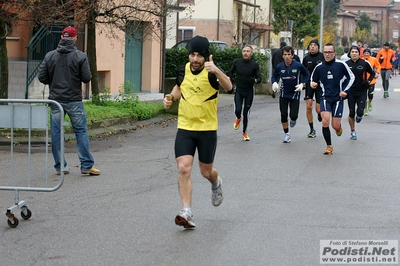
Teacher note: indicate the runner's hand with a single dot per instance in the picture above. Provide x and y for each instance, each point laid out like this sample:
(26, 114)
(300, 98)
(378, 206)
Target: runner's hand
(299, 87)
(167, 101)
(275, 87)
(314, 85)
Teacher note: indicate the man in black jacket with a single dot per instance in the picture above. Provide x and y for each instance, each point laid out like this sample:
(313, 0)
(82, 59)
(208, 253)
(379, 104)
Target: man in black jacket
(358, 90)
(247, 74)
(64, 69)
(310, 61)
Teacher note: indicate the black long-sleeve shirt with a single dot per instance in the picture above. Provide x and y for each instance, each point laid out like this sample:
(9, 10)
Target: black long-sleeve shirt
(310, 61)
(360, 68)
(247, 73)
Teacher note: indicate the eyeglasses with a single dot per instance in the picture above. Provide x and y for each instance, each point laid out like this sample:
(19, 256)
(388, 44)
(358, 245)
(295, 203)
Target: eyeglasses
(328, 52)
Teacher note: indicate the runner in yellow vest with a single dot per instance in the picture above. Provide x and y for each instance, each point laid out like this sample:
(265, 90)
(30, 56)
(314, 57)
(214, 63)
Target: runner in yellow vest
(197, 86)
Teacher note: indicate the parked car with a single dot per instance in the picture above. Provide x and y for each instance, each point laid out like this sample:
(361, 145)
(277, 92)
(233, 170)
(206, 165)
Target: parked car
(184, 43)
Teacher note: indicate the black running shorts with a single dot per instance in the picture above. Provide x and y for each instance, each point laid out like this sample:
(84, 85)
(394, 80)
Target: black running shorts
(187, 141)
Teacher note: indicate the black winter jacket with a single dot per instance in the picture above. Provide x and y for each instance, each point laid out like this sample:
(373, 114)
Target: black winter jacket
(64, 70)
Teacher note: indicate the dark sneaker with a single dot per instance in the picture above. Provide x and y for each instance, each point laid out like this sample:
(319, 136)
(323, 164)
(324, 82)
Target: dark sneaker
(358, 119)
(312, 134)
(292, 123)
(91, 171)
(184, 219)
(217, 195)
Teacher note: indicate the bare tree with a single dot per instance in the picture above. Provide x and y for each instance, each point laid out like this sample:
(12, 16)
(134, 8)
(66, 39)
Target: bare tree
(8, 16)
(112, 16)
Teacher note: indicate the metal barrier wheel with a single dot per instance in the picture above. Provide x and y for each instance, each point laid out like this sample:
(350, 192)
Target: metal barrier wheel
(13, 224)
(25, 213)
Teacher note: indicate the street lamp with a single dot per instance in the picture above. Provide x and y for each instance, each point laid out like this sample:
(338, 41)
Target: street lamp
(389, 6)
(167, 9)
(290, 22)
(321, 23)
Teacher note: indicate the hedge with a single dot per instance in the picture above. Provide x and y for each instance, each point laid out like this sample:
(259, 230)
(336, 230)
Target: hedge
(222, 58)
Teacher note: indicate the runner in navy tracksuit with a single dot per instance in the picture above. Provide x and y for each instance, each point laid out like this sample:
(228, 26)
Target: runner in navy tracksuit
(247, 74)
(335, 79)
(358, 91)
(294, 76)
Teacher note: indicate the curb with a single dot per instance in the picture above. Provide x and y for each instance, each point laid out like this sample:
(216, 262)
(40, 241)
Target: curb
(110, 126)
(102, 128)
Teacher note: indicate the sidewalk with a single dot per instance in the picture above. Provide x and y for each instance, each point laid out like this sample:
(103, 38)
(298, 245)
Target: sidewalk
(112, 126)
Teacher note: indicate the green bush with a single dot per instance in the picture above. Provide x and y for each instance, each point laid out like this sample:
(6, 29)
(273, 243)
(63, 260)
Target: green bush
(339, 51)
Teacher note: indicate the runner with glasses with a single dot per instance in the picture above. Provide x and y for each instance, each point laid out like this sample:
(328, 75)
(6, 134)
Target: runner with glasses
(335, 79)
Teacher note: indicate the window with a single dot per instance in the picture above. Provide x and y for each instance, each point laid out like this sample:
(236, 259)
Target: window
(190, 2)
(251, 37)
(185, 34)
(254, 38)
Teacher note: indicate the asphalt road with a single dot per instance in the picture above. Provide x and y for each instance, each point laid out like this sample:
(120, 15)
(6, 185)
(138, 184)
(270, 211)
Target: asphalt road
(280, 199)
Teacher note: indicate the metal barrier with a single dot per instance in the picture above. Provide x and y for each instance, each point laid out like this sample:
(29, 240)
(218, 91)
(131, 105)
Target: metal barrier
(22, 114)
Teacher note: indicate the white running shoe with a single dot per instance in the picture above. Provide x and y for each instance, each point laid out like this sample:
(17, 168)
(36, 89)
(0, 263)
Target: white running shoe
(184, 219)
(286, 139)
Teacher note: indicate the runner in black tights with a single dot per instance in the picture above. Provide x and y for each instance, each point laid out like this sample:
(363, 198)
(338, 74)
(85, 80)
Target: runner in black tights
(247, 74)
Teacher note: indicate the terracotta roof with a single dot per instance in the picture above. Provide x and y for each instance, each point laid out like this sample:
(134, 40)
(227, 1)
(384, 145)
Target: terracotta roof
(347, 14)
(258, 26)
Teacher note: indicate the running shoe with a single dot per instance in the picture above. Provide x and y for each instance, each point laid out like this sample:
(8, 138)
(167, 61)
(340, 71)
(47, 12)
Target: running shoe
(184, 219)
(353, 135)
(286, 139)
(312, 134)
(328, 150)
(358, 119)
(339, 133)
(292, 123)
(217, 195)
(370, 106)
(366, 112)
(236, 124)
(245, 137)
(385, 94)
(319, 117)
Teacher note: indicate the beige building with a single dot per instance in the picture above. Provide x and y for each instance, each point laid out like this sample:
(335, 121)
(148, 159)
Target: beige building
(121, 59)
(232, 21)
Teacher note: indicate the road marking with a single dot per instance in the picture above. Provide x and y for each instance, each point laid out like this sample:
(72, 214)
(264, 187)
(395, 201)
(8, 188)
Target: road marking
(394, 90)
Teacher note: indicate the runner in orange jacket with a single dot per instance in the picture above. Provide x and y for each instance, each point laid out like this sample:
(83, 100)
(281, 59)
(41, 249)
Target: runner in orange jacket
(386, 56)
(377, 68)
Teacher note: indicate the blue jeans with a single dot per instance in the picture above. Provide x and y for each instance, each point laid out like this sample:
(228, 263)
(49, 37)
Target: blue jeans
(76, 113)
